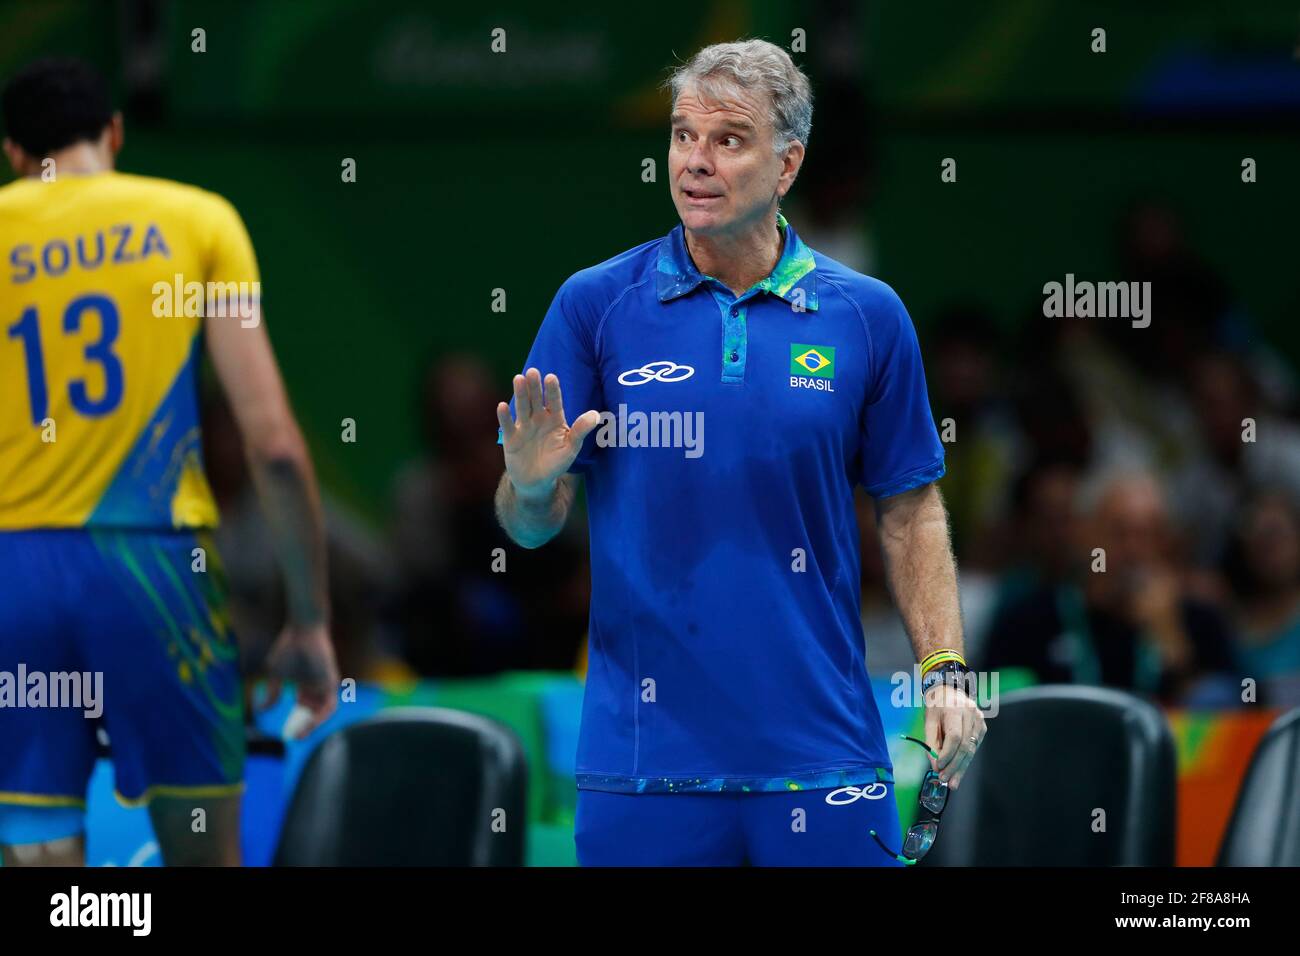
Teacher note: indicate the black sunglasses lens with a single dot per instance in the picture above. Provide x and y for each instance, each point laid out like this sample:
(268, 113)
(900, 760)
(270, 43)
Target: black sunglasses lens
(934, 793)
(919, 839)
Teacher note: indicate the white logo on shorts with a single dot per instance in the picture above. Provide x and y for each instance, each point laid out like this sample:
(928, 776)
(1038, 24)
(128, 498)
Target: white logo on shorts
(873, 791)
(656, 372)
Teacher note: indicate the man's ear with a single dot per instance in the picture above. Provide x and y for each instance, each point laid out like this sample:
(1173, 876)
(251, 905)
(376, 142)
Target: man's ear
(14, 153)
(116, 134)
(792, 161)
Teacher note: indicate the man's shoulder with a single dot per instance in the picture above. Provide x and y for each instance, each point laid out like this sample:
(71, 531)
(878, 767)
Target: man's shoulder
(168, 201)
(14, 193)
(602, 283)
(867, 292)
(136, 187)
(113, 192)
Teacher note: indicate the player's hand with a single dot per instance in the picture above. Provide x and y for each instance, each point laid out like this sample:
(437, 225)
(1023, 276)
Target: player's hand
(304, 657)
(539, 444)
(954, 728)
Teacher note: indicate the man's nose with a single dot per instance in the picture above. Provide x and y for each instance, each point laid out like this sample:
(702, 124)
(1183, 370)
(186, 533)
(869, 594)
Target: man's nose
(700, 162)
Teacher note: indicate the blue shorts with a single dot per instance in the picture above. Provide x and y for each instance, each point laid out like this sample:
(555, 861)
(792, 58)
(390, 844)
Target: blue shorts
(124, 631)
(782, 828)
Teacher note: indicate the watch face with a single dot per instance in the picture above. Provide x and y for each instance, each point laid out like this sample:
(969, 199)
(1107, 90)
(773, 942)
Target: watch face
(952, 674)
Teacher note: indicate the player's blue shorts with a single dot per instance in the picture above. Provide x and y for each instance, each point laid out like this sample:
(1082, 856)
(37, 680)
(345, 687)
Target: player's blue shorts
(120, 630)
(781, 828)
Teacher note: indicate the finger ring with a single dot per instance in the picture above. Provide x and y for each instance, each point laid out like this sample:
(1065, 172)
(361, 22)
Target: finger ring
(975, 740)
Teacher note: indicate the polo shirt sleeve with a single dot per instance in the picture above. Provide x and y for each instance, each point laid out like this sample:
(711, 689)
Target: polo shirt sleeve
(900, 445)
(565, 346)
(230, 255)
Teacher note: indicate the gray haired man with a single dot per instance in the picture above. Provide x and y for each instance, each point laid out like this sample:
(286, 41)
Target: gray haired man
(728, 716)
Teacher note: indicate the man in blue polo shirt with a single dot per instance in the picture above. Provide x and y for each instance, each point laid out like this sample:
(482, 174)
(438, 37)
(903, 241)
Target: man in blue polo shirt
(733, 387)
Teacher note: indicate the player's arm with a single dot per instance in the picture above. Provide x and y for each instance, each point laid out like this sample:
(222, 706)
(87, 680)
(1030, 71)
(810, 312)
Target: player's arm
(285, 482)
(536, 493)
(531, 521)
(922, 578)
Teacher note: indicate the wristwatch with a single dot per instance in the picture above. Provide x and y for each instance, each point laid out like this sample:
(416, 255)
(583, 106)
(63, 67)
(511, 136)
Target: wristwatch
(951, 673)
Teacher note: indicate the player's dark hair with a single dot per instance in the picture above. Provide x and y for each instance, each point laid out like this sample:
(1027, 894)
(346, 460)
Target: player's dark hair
(53, 103)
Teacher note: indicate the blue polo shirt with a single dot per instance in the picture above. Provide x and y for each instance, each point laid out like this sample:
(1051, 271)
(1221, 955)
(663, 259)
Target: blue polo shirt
(726, 650)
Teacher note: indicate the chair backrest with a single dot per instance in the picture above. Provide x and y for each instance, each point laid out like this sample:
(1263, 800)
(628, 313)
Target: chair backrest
(418, 786)
(1067, 776)
(1265, 825)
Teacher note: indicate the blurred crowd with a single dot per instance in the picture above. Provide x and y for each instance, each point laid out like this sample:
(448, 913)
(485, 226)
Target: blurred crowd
(1124, 505)
(440, 593)
(1123, 500)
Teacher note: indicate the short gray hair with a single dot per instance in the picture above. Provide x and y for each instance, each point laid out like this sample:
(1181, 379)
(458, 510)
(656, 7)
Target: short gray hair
(753, 65)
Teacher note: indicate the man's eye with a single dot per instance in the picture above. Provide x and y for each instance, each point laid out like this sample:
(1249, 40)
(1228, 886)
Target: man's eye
(731, 141)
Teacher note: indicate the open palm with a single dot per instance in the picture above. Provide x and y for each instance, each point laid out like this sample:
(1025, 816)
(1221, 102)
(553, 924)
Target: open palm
(539, 444)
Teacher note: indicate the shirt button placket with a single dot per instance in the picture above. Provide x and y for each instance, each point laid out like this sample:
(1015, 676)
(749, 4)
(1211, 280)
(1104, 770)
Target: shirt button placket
(733, 344)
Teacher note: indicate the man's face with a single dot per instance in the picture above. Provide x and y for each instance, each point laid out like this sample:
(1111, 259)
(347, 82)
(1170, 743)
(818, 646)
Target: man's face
(723, 171)
(1272, 543)
(1133, 526)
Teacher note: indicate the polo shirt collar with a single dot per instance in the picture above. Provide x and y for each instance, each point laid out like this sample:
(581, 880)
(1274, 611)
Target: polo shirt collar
(795, 270)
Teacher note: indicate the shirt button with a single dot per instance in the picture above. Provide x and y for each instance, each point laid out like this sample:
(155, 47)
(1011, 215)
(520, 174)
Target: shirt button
(735, 357)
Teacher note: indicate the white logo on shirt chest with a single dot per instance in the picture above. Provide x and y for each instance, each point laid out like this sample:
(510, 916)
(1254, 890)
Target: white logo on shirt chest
(663, 371)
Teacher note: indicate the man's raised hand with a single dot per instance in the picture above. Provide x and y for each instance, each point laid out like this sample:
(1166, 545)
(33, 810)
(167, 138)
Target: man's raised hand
(539, 444)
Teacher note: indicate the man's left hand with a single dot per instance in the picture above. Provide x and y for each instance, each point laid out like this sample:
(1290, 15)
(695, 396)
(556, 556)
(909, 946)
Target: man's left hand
(954, 729)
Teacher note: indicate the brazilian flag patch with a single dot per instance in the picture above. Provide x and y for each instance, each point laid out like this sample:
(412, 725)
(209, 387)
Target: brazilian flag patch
(815, 360)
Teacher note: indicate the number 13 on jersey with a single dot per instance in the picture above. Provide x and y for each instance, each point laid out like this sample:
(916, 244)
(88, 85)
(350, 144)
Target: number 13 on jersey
(100, 351)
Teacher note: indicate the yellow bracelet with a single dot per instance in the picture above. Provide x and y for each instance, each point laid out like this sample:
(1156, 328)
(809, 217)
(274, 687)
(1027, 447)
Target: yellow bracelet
(941, 657)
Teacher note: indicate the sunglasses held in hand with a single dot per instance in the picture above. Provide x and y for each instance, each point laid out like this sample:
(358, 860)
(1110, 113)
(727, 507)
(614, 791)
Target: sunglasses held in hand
(920, 835)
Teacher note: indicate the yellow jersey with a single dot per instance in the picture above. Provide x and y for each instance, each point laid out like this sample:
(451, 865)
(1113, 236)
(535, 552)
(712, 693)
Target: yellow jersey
(100, 342)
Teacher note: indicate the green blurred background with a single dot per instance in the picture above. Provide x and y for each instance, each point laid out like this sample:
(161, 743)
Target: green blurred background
(479, 171)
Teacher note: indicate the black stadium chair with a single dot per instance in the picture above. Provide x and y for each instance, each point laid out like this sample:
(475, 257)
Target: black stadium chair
(1054, 756)
(417, 786)
(1265, 825)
